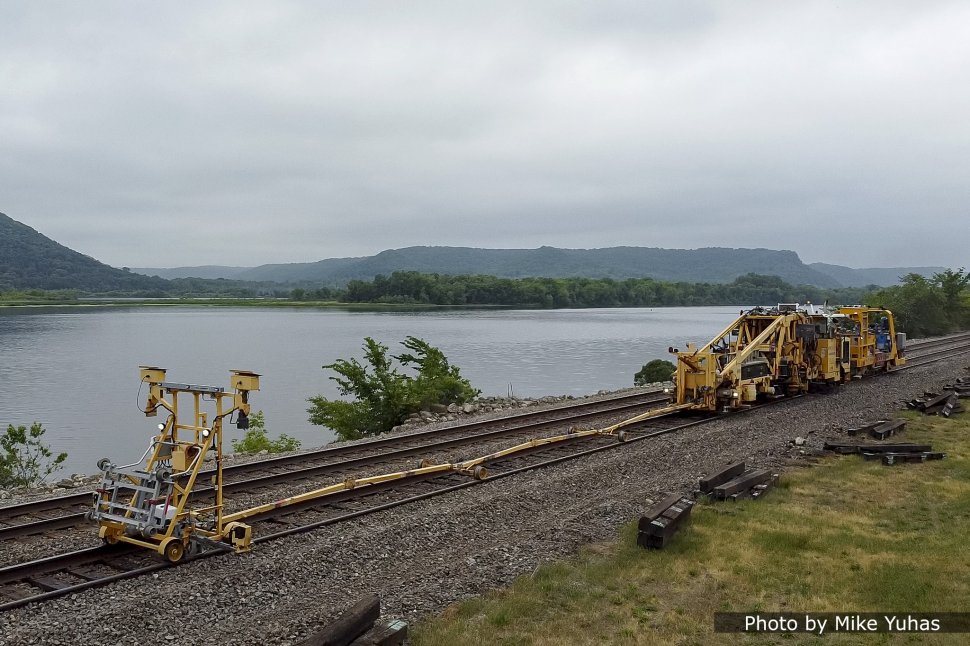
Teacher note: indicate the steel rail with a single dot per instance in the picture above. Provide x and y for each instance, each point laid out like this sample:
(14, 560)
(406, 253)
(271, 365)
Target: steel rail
(519, 423)
(40, 573)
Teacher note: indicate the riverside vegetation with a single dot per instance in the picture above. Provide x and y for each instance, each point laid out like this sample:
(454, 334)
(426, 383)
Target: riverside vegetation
(383, 396)
(924, 306)
(25, 460)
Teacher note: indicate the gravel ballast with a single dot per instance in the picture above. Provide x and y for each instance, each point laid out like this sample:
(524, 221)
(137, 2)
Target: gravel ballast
(422, 557)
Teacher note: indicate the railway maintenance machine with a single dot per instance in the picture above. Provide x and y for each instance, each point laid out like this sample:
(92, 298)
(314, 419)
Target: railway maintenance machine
(147, 503)
(785, 350)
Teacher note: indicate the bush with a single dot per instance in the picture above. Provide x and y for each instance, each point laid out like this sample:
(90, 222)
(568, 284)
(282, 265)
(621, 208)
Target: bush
(256, 438)
(383, 397)
(656, 370)
(24, 459)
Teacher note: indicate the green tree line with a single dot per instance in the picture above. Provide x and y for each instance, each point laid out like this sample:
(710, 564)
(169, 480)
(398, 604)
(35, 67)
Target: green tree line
(929, 306)
(408, 287)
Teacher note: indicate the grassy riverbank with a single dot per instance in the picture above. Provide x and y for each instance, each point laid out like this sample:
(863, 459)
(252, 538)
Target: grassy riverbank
(844, 536)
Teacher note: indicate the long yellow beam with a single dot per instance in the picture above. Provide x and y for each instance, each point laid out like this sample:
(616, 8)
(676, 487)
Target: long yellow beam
(466, 466)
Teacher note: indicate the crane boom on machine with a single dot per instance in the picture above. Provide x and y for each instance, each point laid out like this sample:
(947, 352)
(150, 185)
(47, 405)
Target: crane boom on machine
(786, 350)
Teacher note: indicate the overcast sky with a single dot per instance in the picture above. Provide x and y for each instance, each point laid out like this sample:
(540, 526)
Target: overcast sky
(157, 134)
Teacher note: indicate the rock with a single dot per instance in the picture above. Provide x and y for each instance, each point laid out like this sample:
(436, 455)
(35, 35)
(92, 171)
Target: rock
(469, 408)
(398, 428)
(452, 408)
(263, 452)
(67, 484)
(426, 416)
(4, 494)
(439, 408)
(799, 441)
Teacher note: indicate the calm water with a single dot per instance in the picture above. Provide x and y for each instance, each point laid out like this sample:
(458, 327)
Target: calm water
(76, 370)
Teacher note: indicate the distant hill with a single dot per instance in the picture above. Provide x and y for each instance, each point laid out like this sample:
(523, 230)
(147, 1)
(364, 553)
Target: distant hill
(30, 260)
(203, 271)
(882, 276)
(713, 264)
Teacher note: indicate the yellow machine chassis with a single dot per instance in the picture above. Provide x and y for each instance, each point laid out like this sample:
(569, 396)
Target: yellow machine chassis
(175, 459)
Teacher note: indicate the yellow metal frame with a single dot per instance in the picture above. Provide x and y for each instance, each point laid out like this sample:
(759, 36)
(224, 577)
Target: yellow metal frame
(474, 467)
(865, 356)
(710, 378)
(182, 447)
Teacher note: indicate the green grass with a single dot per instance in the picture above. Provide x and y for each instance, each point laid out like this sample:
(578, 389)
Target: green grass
(843, 536)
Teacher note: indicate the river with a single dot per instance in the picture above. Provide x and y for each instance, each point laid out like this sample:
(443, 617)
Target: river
(76, 369)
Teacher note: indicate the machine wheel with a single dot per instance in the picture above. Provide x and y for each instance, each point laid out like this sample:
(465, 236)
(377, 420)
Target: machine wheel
(174, 550)
(424, 463)
(106, 538)
(621, 436)
(480, 472)
(103, 462)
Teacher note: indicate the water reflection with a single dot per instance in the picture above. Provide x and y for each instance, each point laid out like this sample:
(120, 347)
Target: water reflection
(76, 370)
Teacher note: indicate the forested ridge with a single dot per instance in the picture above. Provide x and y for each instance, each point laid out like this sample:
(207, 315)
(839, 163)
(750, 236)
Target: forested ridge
(30, 260)
(409, 287)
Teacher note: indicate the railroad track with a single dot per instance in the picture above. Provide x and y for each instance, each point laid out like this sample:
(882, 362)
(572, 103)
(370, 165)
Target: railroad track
(74, 571)
(52, 514)
(81, 569)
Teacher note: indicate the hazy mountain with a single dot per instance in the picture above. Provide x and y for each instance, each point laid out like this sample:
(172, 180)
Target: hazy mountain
(882, 276)
(715, 264)
(202, 271)
(30, 260)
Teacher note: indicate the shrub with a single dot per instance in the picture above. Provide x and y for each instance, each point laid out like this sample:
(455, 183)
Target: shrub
(24, 459)
(383, 396)
(654, 371)
(256, 438)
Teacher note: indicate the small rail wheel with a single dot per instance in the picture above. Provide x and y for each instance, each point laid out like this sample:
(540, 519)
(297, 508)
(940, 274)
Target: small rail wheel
(424, 463)
(621, 436)
(174, 550)
(103, 462)
(480, 472)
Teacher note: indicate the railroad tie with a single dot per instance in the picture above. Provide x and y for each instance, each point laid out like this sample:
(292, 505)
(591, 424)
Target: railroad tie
(706, 485)
(888, 429)
(660, 523)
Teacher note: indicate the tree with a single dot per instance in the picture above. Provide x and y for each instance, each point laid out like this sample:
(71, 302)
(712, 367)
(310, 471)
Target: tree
(257, 439)
(928, 306)
(384, 397)
(437, 381)
(654, 371)
(24, 459)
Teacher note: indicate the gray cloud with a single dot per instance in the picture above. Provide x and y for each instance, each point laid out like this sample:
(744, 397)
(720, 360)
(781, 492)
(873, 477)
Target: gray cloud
(150, 134)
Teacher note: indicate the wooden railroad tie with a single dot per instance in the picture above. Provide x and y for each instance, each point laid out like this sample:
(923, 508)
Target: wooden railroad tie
(658, 525)
(890, 453)
(897, 447)
(945, 403)
(358, 626)
(736, 481)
